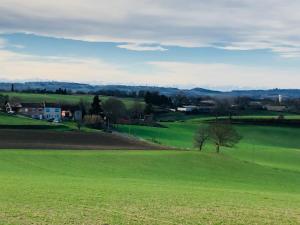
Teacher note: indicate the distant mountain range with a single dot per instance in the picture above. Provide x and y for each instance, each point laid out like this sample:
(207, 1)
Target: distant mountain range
(77, 87)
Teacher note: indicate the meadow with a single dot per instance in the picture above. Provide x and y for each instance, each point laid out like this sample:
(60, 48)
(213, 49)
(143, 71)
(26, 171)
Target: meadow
(143, 187)
(257, 182)
(6, 119)
(59, 98)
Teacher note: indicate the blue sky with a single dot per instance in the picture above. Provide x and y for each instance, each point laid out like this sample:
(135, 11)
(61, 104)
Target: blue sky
(223, 44)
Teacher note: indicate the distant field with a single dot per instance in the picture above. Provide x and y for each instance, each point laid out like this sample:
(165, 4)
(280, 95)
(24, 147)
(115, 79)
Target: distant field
(180, 134)
(57, 98)
(179, 116)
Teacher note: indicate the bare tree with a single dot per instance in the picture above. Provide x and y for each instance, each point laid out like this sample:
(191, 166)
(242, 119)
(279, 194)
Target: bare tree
(79, 125)
(223, 134)
(136, 110)
(84, 106)
(95, 121)
(114, 109)
(201, 136)
(222, 108)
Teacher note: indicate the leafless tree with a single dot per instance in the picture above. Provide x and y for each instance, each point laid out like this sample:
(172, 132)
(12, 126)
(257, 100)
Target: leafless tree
(201, 136)
(222, 108)
(223, 134)
(114, 109)
(136, 110)
(95, 121)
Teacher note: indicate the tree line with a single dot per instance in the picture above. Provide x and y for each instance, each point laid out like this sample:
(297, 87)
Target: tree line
(104, 114)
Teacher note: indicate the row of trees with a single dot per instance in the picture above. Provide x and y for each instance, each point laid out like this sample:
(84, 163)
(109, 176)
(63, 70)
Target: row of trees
(154, 98)
(220, 133)
(100, 113)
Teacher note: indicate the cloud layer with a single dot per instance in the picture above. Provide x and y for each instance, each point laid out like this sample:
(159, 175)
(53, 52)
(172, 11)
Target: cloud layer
(15, 66)
(229, 24)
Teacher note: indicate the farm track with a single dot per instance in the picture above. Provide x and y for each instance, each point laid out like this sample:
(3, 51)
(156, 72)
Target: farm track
(45, 139)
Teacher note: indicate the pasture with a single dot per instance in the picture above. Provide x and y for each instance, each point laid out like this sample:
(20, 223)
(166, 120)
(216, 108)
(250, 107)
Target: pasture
(58, 98)
(256, 182)
(144, 187)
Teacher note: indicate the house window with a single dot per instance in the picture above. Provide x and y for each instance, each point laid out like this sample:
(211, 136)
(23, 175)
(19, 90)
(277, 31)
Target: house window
(57, 110)
(47, 110)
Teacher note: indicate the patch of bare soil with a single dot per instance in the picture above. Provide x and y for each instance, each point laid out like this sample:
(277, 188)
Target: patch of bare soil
(45, 139)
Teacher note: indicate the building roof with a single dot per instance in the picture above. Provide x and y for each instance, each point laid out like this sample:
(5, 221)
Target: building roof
(66, 107)
(207, 103)
(32, 105)
(51, 105)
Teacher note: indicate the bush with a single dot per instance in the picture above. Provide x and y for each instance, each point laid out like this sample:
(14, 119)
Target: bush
(94, 121)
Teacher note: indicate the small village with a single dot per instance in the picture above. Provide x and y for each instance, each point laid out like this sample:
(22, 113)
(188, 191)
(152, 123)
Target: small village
(139, 113)
(51, 112)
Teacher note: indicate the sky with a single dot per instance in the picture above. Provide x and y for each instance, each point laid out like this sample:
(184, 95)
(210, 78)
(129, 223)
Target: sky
(216, 44)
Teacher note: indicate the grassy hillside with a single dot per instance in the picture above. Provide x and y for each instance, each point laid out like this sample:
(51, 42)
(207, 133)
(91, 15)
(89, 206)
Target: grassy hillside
(6, 119)
(180, 134)
(143, 187)
(257, 182)
(265, 145)
(57, 98)
(21, 122)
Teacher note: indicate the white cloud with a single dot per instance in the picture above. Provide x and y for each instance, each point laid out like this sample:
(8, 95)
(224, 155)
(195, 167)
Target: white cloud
(2, 43)
(230, 24)
(223, 76)
(15, 66)
(142, 47)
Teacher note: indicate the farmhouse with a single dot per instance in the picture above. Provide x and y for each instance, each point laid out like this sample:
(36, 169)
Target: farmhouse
(71, 112)
(255, 105)
(52, 111)
(48, 111)
(276, 108)
(206, 106)
(12, 107)
(33, 110)
(187, 108)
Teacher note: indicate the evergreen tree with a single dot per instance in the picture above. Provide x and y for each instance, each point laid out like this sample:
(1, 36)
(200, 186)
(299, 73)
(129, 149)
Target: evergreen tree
(148, 109)
(96, 107)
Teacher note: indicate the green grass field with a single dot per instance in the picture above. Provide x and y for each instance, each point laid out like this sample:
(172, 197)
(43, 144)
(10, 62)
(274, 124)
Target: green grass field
(256, 182)
(143, 187)
(57, 98)
(260, 144)
(6, 119)
(18, 121)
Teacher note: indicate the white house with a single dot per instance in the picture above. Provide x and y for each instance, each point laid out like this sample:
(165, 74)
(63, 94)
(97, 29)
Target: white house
(276, 108)
(187, 108)
(33, 110)
(52, 111)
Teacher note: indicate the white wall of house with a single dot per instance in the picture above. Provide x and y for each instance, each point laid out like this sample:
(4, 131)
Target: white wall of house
(276, 108)
(52, 113)
(187, 108)
(35, 113)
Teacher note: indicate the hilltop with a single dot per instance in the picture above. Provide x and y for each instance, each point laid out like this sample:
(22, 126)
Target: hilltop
(169, 91)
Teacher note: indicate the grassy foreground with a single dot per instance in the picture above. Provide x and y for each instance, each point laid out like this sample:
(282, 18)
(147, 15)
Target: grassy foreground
(143, 187)
(257, 182)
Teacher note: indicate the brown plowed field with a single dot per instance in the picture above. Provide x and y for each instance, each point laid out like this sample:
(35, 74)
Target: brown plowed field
(42, 139)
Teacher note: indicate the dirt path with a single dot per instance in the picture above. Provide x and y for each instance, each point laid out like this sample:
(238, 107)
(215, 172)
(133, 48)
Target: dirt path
(42, 139)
